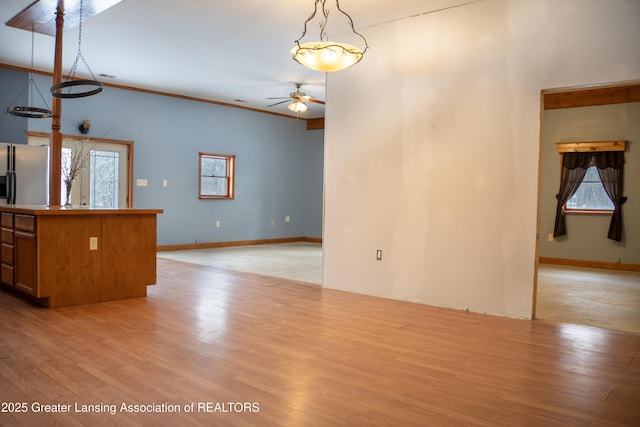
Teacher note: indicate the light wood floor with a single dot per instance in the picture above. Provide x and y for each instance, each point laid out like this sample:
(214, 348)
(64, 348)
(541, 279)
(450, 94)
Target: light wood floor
(307, 356)
(589, 296)
(584, 296)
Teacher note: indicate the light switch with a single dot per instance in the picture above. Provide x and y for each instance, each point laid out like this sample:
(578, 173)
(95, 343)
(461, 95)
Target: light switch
(141, 182)
(93, 243)
(164, 182)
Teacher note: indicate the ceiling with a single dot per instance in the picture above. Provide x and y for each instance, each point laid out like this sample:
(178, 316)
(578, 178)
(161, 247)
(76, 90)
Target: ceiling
(232, 52)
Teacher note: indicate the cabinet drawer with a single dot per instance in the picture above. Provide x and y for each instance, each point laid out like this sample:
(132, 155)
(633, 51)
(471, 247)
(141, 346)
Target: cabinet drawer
(25, 222)
(6, 236)
(6, 274)
(7, 254)
(6, 220)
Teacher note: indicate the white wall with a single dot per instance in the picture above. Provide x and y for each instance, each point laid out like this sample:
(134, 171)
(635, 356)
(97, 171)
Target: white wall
(432, 146)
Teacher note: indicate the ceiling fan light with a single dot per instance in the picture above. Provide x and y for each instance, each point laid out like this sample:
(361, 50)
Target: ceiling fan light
(298, 107)
(326, 56)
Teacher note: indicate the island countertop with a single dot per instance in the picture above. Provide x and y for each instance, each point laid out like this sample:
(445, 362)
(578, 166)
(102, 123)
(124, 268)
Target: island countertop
(61, 256)
(75, 210)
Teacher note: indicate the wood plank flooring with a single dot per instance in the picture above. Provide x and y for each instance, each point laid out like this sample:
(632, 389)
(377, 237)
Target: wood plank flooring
(250, 350)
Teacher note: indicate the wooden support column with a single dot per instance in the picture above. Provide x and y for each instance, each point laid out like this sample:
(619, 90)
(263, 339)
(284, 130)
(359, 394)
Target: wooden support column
(55, 144)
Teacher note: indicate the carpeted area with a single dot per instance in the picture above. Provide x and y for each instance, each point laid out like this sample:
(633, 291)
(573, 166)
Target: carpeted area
(300, 261)
(589, 296)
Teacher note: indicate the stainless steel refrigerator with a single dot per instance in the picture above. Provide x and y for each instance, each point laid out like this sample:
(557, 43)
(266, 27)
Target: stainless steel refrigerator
(24, 174)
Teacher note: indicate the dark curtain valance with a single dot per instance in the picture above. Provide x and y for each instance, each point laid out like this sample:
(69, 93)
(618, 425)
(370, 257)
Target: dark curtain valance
(577, 160)
(608, 159)
(602, 159)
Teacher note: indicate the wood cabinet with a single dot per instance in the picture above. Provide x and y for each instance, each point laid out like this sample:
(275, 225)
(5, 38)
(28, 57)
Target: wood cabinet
(25, 254)
(19, 252)
(6, 255)
(67, 257)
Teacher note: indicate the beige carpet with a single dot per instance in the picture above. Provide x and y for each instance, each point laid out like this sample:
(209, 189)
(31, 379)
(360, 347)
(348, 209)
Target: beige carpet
(300, 261)
(589, 296)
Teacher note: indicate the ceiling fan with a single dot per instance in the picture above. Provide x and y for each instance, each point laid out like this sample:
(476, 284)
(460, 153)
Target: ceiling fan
(298, 100)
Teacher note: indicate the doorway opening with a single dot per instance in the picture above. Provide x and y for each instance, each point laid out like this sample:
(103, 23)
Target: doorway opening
(583, 277)
(104, 178)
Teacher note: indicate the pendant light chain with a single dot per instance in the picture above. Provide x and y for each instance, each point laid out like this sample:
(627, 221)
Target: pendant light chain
(366, 45)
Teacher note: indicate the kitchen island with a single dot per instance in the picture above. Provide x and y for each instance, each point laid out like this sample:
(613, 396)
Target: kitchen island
(61, 256)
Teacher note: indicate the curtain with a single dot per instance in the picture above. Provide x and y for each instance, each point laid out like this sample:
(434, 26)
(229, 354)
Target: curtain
(610, 168)
(574, 168)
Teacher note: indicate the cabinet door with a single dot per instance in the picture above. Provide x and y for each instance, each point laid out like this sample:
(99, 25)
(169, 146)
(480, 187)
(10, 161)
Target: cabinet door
(25, 263)
(6, 267)
(6, 244)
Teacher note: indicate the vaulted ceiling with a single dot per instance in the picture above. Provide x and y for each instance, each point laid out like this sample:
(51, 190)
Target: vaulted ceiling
(232, 52)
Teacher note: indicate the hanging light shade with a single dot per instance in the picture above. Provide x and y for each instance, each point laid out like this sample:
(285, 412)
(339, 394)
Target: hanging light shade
(324, 55)
(93, 86)
(30, 112)
(298, 107)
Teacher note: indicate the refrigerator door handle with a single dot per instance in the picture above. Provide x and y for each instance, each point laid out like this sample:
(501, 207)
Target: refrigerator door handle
(14, 184)
(12, 159)
(10, 188)
(9, 169)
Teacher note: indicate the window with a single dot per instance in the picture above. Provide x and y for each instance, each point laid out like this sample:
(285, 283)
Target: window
(590, 173)
(104, 178)
(216, 172)
(590, 196)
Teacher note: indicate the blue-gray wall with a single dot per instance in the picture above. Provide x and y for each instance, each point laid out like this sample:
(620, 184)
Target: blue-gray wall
(278, 162)
(14, 92)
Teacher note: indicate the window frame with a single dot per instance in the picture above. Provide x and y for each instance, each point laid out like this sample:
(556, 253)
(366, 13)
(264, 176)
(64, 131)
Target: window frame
(230, 160)
(566, 147)
(594, 211)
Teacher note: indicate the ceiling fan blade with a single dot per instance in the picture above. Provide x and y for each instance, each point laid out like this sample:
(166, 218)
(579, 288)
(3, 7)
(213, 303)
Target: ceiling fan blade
(317, 101)
(282, 97)
(277, 103)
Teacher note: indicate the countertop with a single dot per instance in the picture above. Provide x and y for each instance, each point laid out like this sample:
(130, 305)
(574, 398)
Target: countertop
(75, 210)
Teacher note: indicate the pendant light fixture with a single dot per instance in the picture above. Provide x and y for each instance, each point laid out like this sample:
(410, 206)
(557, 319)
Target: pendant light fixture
(94, 86)
(325, 55)
(30, 111)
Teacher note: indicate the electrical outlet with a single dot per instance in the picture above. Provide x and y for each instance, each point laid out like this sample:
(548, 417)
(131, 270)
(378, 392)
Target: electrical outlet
(287, 218)
(93, 243)
(217, 224)
(273, 223)
(550, 237)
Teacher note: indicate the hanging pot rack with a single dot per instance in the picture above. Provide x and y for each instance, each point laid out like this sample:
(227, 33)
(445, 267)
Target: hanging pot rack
(32, 17)
(30, 111)
(58, 90)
